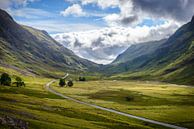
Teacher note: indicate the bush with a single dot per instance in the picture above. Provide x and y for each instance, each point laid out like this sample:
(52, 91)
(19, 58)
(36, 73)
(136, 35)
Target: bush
(129, 98)
(70, 83)
(62, 82)
(5, 79)
(82, 79)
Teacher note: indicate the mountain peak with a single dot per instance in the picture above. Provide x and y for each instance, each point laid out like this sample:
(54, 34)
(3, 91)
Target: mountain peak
(6, 20)
(4, 15)
(192, 22)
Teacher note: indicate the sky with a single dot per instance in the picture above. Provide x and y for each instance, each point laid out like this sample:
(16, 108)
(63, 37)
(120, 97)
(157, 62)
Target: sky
(99, 30)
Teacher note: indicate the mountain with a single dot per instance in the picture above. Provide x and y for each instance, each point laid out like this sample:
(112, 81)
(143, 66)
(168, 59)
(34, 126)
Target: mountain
(35, 51)
(137, 50)
(171, 61)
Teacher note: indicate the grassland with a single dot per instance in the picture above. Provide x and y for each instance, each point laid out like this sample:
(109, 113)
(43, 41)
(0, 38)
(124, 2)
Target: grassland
(43, 110)
(158, 101)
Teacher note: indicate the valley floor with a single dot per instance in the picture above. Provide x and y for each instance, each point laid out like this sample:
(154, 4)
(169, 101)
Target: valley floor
(157, 101)
(41, 109)
(44, 110)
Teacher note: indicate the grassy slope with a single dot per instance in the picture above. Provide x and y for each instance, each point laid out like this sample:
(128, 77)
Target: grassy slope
(159, 101)
(172, 61)
(34, 50)
(45, 110)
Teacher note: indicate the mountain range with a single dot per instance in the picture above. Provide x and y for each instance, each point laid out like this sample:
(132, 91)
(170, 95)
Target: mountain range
(170, 60)
(33, 50)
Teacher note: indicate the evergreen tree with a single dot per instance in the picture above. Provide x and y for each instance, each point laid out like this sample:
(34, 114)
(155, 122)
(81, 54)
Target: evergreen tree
(62, 82)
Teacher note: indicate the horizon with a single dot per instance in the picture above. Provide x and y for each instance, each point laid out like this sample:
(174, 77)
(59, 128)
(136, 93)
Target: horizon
(99, 30)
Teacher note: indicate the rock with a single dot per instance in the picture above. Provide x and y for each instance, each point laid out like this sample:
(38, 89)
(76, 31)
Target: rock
(14, 122)
(2, 121)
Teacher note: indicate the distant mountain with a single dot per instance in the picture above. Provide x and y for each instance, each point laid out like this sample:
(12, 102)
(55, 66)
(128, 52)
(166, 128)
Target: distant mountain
(137, 50)
(172, 60)
(34, 50)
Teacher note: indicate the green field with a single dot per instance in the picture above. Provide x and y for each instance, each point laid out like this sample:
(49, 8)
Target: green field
(158, 101)
(41, 109)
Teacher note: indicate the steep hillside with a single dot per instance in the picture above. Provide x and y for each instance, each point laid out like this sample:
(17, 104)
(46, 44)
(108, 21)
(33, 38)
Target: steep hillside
(35, 51)
(172, 61)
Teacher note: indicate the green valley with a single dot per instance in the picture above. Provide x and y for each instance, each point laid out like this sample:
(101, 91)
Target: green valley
(151, 80)
(41, 109)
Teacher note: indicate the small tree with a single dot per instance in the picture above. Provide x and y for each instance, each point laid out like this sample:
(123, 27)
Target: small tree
(70, 83)
(82, 79)
(19, 82)
(5, 79)
(62, 82)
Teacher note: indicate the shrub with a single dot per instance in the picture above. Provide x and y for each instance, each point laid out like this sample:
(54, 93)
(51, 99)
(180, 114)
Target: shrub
(70, 83)
(62, 82)
(5, 79)
(82, 79)
(129, 98)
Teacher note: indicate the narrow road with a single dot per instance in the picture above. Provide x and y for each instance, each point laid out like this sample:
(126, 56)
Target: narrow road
(47, 87)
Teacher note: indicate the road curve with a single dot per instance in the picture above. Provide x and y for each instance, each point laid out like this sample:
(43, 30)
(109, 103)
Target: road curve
(47, 87)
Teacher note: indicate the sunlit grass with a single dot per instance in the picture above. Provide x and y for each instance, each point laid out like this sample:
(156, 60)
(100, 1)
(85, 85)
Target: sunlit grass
(47, 111)
(159, 101)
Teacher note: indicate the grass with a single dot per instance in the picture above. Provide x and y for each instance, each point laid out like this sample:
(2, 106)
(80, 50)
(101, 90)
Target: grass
(158, 101)
(45, 110)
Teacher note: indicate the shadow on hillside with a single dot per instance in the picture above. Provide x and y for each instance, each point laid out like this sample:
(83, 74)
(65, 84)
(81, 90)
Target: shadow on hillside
(138, 99)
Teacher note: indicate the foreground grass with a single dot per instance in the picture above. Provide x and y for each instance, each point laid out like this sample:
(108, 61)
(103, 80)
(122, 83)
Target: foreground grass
(42, 109)
(158, 101)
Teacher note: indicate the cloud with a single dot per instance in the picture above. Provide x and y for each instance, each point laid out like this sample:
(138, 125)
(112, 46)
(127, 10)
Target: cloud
(74, 10)
(179, 10)
(103, 45)
(53, 26)
(5, 4)
(101, 3)
(134, 11)
(30, 13)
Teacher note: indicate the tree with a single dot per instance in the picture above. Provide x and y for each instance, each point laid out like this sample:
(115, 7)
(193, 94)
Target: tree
(5, 79)
(19, 82)
(70, 83)
(62, 82)
(82, 79)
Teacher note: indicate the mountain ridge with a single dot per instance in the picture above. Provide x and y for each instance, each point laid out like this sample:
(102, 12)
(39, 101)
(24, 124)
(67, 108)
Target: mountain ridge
(29, 48)
(172, 61)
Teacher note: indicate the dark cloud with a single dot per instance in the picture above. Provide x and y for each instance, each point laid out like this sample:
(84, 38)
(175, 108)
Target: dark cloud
(98, 42)
(77, 43)
(128, 20)
(180, 10)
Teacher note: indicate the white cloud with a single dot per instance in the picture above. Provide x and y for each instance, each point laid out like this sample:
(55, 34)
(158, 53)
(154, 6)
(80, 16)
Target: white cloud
(53, 26)
(101, 3)
(5, 4)
(103, 45)
(74, 10)
(30, 13)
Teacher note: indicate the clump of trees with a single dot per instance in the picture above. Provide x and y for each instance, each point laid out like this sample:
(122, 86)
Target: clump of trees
(6, 80)
(63, 83)
(19, 82)
(82, 79)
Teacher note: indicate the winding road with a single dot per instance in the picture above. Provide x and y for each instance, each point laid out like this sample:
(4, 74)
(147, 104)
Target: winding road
(47, 87)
